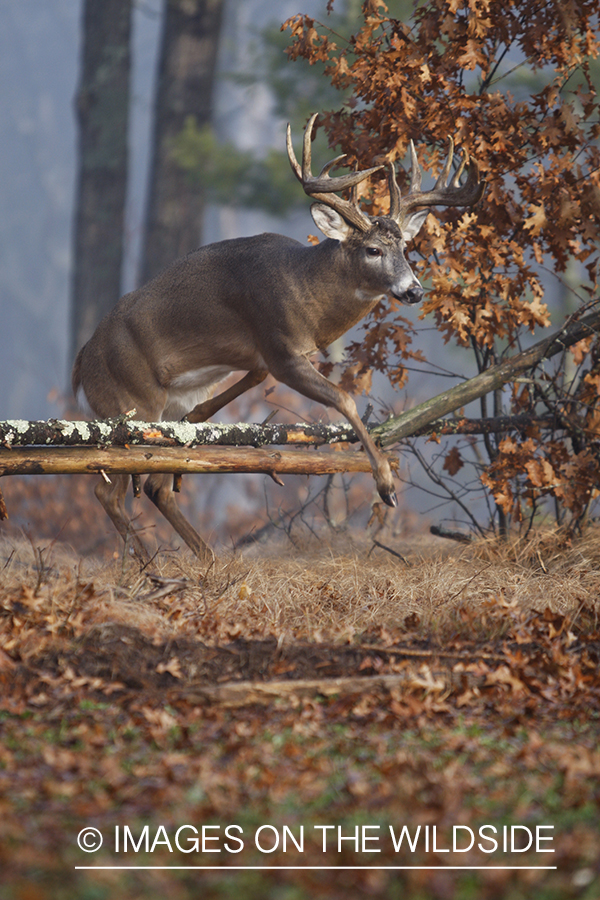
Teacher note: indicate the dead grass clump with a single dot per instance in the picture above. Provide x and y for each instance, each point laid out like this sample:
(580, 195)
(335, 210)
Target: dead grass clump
(545, 550)
(313, 594)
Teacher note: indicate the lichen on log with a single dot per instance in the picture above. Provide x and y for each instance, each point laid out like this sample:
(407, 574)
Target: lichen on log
(123, 432)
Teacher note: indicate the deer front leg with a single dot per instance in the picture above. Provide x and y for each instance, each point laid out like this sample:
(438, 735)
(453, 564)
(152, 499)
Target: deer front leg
(299, 373)
(158, 487)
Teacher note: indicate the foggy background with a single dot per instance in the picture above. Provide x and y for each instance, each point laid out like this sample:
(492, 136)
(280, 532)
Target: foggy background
(40, 42)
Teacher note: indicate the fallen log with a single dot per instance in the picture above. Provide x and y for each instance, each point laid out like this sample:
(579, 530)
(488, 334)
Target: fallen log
(179, 461)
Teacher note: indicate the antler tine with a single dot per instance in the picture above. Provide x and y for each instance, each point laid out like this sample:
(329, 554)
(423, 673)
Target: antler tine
(442, 179)
(394, 190)
(393, 187)
(291, 155)
(444, 192)
(472, 183)
(323, 183)
(458, 174)
(416, 176)
(306, 148)
(330, 165)
(321, 187)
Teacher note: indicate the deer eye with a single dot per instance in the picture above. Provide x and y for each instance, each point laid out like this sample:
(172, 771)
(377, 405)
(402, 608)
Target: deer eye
(373, 252)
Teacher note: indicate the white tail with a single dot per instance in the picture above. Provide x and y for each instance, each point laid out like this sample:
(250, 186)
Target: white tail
(260, 304)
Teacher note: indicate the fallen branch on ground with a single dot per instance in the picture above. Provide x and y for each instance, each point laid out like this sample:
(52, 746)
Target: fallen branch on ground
(242, 693)
(459, 536)
(410, 423)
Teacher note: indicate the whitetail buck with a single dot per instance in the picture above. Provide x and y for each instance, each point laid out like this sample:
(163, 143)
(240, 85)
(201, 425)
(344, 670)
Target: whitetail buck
(259, 304)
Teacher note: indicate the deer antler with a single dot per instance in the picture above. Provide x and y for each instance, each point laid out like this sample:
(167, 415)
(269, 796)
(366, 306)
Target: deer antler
(321, 186)
(444, 193)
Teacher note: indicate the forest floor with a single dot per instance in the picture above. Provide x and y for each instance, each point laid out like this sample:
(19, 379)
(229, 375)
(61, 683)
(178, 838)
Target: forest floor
(330, 721)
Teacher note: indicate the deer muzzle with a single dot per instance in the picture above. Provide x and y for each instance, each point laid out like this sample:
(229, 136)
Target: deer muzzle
(412, 295)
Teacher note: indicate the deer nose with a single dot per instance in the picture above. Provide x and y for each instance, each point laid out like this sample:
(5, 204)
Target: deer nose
(414, 294)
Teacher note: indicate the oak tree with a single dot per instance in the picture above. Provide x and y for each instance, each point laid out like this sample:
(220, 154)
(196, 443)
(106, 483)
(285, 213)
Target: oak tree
(514, 86)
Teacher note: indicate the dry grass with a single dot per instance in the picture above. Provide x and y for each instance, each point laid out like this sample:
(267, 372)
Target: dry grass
(334, 591)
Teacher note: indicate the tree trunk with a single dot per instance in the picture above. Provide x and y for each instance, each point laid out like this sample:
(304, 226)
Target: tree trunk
(102, 109)
(185, 87)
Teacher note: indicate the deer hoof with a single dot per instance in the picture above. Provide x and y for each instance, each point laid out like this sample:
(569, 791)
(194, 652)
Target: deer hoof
(389, 497)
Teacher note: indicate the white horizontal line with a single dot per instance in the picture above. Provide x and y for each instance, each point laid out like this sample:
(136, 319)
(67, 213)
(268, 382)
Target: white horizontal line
(226, 868)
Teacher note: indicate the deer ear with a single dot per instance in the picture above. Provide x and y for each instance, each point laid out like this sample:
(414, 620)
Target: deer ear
(411, 228)
(330, 222)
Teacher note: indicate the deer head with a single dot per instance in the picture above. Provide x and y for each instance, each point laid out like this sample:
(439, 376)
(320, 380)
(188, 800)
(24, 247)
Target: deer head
(382, 239)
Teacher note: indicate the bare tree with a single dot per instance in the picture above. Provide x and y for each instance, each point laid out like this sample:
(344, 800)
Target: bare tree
(184, 89)
(102, 103)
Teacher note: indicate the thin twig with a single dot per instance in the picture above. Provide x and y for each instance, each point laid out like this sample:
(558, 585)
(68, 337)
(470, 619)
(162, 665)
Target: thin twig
(389, 550)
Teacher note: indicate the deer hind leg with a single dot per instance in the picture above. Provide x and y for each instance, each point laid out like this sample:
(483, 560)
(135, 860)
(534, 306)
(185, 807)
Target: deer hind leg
(299, 373)
(158, 487)
(204, 411)
(111, 495)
